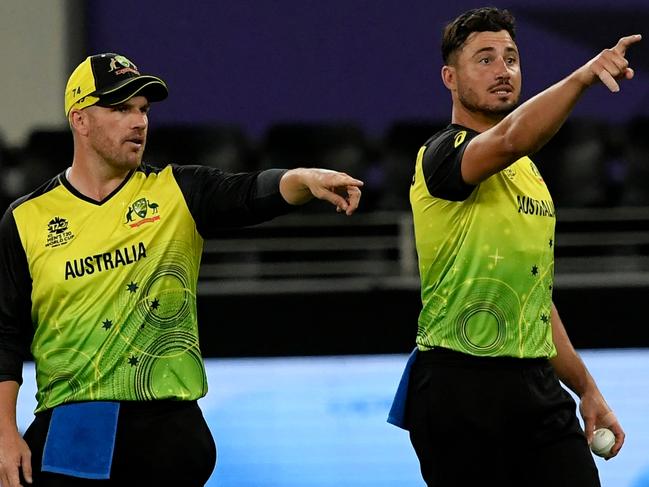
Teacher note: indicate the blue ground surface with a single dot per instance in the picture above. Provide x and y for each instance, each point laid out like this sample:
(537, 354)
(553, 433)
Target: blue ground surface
(321, 421)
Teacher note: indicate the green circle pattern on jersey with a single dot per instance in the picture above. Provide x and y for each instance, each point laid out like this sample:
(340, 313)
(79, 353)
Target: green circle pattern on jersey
(157, 327)
(426, 334)
(484, 317)
(61, 377)
(165, 299)
(171, 352)
(65, 376)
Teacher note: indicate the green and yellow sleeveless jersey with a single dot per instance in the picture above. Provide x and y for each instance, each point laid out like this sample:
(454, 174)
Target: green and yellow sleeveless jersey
(486, 254)
(105, 292)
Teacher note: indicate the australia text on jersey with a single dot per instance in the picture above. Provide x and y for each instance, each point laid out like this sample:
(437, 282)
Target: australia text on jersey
(531, 206)
(104, 261)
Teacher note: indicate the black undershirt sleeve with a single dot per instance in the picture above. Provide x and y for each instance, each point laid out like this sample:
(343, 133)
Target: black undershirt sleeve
(16, 329)
(442, 164)
(217, 199)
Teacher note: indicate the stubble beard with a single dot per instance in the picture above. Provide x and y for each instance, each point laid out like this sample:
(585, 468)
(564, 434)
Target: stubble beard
(118, 158)
(468, 99)
(118, 154)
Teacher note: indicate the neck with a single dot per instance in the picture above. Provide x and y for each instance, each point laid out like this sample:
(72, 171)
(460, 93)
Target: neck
(95, 178)
(478, 121)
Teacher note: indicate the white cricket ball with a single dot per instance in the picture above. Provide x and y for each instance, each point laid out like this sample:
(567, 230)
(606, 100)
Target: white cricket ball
(603, 441)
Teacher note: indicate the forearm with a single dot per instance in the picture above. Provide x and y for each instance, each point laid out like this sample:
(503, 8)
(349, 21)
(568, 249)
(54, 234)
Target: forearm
(568, 365)
(8, 401)
(534, 123)
(529, 127)
(522, 132)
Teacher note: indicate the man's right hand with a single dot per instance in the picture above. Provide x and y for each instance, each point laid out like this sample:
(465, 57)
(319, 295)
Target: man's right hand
(610, 65)
(14, 455)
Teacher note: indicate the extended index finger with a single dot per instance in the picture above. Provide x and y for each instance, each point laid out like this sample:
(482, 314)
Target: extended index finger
(343, 179)
(624, 43)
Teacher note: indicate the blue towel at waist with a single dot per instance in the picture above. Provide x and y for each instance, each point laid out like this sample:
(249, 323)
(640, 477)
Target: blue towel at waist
(397, 413)
(81, 439)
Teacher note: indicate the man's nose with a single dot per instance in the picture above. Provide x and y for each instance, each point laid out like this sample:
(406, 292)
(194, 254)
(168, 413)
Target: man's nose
(502, 69)
(140, 121)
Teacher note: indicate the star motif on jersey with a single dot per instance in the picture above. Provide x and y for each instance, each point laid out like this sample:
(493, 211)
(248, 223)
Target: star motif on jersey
(155, 304)
(544, 318)
(551, 242)
(132, 287)
(106, 324)
(133, 361)
(535, 270)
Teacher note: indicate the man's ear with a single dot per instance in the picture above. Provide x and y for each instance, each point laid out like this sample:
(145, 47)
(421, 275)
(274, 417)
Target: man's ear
(79, 121)
(449, 77)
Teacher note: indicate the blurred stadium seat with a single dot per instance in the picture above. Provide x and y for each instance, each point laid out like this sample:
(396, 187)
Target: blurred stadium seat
(337, 146)
(574, 164)
(395, 166)
(636, 192)
(226, 147)
(54, 147)
(46, 153)
(342, 147)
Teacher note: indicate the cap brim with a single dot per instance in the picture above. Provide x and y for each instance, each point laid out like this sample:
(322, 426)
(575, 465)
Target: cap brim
(151, 87)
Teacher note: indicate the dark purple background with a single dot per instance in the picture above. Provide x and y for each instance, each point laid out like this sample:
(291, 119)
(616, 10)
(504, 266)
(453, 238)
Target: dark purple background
(372, 62)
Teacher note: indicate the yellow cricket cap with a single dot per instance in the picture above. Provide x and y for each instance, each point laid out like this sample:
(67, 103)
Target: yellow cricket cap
(110, 79)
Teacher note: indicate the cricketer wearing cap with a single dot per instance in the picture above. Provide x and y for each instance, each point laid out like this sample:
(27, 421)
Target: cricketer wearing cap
(99, 269)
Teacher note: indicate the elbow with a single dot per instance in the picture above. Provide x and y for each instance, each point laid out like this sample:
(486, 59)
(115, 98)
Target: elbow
(515, 145)
(521, 138)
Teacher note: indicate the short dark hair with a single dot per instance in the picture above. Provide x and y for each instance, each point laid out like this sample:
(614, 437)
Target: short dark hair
(484, 19)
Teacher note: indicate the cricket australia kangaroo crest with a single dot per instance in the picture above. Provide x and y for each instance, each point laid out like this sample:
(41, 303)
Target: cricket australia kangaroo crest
(138, 212)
